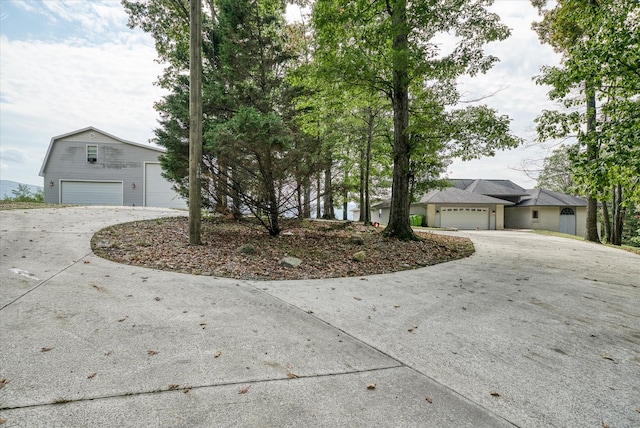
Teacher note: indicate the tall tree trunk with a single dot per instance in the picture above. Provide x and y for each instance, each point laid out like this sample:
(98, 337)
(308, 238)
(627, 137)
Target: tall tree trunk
(361, 182)
(618, 216)
(195, 121)
(591, 229)
(235, 193)
(327, 199)
(318, 196)
(607, 222)
(222, 185)
(399, 225)
(306, 197)
(365, 169)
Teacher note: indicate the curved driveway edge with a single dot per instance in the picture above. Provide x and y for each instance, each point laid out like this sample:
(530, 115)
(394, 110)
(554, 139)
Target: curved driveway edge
(529, 331)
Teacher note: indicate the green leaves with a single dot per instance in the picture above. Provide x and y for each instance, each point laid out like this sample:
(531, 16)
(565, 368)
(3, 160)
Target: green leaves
(601, 46)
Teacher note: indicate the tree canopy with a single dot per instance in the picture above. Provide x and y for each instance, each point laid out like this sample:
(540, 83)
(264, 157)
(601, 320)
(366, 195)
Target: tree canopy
(363, 97)
(600, 43)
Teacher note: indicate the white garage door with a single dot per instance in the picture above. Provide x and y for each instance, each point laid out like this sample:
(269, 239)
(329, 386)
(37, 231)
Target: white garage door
(91, 192)
(157, 189)
(464, 218)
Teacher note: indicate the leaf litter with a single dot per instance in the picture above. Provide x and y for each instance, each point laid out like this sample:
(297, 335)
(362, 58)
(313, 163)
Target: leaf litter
(324, 248)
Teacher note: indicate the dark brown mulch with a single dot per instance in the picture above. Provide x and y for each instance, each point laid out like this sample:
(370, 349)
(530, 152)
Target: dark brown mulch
(325, 249)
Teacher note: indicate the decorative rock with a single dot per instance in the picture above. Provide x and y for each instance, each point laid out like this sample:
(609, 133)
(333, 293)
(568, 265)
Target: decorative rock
(247, 249)
(359, 256)
(356, 239)
(290, 262)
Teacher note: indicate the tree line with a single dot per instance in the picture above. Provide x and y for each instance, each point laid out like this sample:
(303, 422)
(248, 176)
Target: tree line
(358, 98)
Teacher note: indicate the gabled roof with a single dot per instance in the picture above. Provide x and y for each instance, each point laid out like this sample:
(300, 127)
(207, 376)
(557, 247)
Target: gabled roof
(545, 197)
(453, 195)
(91, 128)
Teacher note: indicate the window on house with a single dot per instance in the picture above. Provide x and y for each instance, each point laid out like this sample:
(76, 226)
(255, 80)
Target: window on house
(535, 214)
(92, 153)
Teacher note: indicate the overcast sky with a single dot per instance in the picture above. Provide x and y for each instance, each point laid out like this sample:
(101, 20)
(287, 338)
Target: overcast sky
(66, 65)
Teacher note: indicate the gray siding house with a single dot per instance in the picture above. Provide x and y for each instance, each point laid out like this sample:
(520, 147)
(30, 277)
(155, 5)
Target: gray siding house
(92, 167)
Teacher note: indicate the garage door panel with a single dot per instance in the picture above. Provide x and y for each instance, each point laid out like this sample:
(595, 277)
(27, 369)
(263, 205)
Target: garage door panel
(464, 218)
(91, 192)
(158, 191)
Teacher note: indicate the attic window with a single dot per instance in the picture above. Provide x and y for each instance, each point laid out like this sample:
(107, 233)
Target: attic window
(534, 214)
(92, 153)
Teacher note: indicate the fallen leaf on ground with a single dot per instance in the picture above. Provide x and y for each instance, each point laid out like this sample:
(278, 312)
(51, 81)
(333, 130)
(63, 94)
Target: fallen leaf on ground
(494, 393)
(371, 386)
(357, 298)
(325, 249)
(217, 354)
(92, 375)
(244, 390)
(428, 399)
(152, 352)
(173, 386)
(45, 349)
(122, 319)
(3, 383)
(607, 357)
(291, 375)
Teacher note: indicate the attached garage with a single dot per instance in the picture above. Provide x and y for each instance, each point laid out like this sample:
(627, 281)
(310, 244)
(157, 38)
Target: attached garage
(91, 192)
(157, 189)
(464, 217)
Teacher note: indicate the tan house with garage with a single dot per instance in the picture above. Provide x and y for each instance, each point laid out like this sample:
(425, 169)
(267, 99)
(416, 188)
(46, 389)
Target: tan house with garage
(494, 205)
(548, 210)
(92, 167)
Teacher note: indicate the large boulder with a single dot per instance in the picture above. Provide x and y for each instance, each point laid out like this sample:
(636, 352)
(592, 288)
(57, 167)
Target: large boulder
(290, 262)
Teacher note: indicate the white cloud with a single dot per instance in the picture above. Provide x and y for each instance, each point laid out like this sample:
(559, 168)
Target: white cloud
(51, 86)
(96, 71)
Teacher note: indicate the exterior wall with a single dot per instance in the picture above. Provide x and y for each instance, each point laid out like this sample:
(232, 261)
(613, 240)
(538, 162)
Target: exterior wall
(499, 216)
(116, 161)
(431, 216)
(581, 220)
(548, 218)
(380, 215)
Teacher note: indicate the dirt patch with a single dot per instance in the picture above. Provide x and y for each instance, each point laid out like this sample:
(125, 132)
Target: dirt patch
(325, 248)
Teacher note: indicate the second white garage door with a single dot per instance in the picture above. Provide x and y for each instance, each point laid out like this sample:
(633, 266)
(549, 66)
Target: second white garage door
(464, 218)
(91, 192)
(157, 189)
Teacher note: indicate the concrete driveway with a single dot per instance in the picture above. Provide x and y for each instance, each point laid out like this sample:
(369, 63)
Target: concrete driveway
(530, 331)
